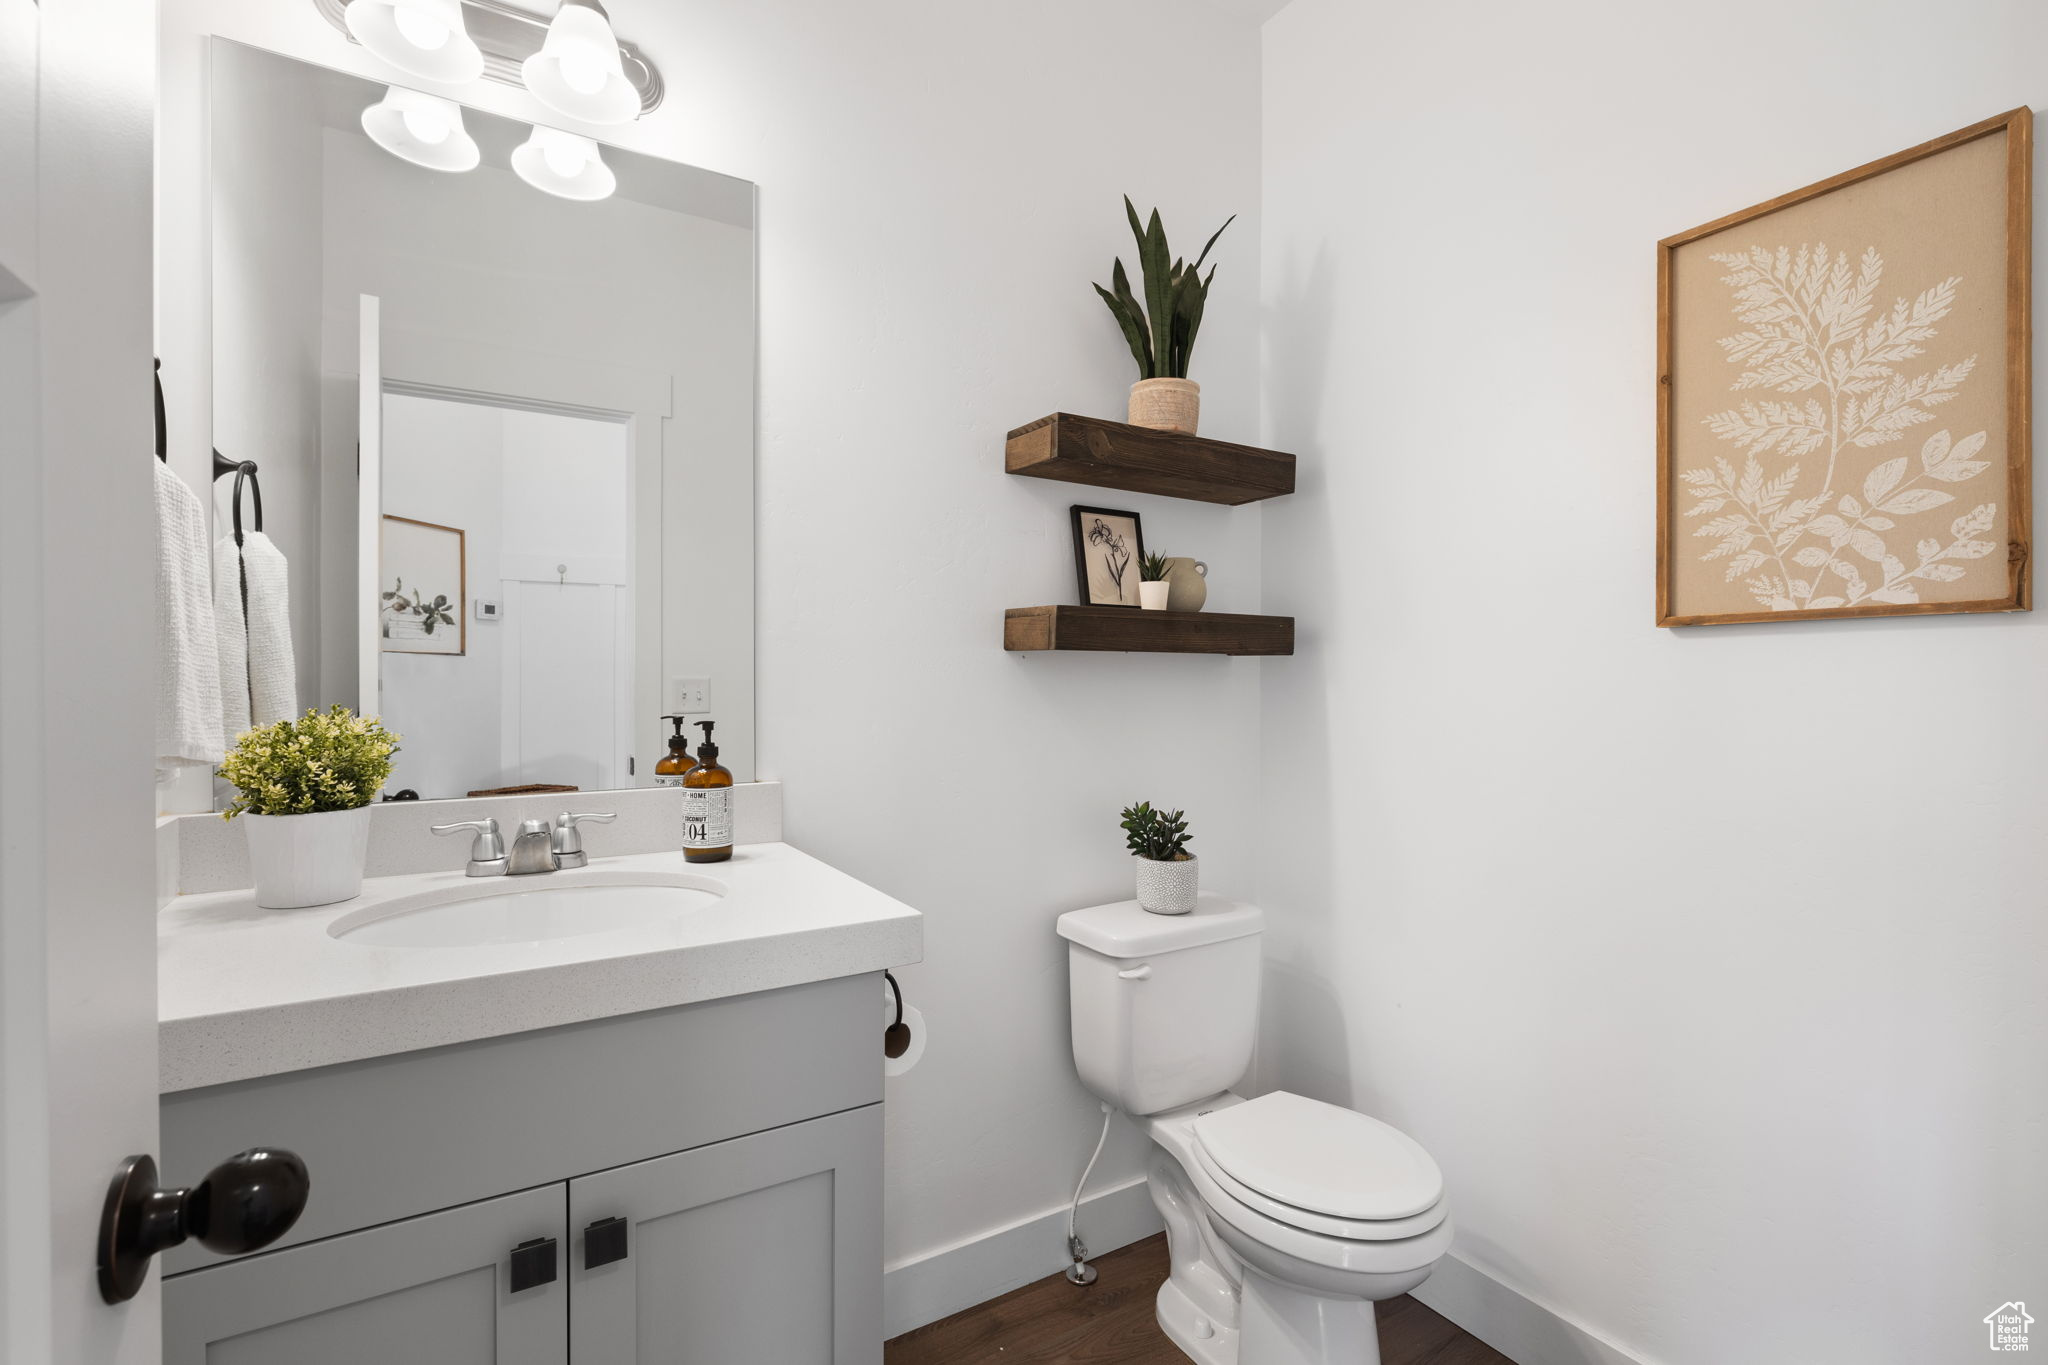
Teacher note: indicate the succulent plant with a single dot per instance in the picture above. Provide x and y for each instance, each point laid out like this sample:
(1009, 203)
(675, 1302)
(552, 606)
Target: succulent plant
(1157, 835)
(1160, 330)
(1152, 569)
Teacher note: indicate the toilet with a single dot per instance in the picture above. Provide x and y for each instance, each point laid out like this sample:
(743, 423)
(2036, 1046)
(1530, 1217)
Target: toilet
(1286, 1218)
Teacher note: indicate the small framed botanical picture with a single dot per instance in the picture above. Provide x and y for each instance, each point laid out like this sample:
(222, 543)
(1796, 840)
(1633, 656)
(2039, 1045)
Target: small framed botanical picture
(1107, 548)
(424, 580)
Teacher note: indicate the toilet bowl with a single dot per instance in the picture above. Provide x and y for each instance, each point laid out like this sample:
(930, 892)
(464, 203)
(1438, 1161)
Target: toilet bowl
(1286, 1218)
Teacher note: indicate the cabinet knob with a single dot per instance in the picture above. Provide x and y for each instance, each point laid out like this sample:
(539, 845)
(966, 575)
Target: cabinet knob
(604, 1242)
(244, 1204)
(533, 1264)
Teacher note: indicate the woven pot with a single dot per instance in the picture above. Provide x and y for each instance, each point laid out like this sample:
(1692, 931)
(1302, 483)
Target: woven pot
(1166, 405)
(1167, 888)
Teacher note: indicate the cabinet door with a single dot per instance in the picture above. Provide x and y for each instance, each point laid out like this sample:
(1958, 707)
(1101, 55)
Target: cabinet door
(433, 1290)
(763, 1249)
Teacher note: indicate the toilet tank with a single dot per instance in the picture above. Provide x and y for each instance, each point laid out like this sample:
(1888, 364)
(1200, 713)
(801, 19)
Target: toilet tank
(1164, 1008)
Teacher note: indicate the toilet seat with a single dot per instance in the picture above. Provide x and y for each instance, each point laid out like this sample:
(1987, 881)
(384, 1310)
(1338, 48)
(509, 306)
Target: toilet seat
(1387, 1246)
(1297, 1155)
(1350, 1229)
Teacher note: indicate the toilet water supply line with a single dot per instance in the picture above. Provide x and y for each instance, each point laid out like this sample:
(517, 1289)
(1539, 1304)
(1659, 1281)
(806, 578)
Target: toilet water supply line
(1080, 1272)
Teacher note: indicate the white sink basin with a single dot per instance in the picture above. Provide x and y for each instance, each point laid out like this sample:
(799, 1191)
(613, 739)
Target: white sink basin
(502, 910)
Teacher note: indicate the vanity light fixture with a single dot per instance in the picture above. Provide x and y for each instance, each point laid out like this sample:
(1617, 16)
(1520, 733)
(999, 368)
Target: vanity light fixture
(423, 38)
(423, 129)
(563, 164)
(578, 72)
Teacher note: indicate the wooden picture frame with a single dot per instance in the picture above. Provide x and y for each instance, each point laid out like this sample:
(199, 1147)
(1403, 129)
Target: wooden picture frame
(417, 619)
(1108, 547)
(1818, 414)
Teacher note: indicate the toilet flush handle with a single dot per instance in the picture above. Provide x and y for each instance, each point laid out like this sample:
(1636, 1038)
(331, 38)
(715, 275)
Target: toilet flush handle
(1141, 972)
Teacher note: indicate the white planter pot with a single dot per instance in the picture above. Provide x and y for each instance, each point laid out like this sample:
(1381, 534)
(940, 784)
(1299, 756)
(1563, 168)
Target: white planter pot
(301, 860)
(1152, 596)
(1167, 888)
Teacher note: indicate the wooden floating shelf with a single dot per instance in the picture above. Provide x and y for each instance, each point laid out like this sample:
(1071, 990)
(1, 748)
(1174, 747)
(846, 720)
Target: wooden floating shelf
(1107, 454)
(1130, 630)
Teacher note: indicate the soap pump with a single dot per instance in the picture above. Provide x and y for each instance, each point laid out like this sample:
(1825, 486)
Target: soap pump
(707, 805)
(670, 770)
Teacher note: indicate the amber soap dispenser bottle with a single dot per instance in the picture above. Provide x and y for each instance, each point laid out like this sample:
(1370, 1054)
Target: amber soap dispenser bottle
(707, 806)
(675, 763)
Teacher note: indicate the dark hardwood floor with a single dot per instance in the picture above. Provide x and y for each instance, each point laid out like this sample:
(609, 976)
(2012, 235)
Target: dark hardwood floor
(1110, 1323)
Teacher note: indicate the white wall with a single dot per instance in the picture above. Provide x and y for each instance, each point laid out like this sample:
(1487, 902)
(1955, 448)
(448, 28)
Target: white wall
(1707, 963)
(939, 184)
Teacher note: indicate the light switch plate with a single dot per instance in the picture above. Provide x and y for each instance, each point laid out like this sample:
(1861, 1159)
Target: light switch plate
(487, 610)
(689, 696)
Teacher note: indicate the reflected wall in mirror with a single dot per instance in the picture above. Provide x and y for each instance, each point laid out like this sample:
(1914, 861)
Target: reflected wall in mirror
(505, 438)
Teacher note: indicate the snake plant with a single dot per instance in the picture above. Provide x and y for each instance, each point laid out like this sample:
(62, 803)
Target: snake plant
(1161, 329)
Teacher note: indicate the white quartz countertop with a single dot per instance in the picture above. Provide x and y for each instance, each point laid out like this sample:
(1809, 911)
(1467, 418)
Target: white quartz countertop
(244, 992)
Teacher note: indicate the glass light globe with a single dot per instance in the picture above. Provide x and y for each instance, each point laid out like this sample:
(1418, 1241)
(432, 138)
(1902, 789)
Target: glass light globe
(423, 38)
(420, 28)
(578, 71)
(423, 129)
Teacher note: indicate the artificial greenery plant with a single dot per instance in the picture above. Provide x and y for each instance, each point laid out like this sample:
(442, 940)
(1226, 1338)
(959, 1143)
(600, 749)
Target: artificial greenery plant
(324, 761)
(1155, 834)
(1161, 330)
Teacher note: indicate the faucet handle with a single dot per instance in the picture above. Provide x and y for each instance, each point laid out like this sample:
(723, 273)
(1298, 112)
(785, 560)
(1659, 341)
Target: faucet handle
(487, 851)
(568, 845)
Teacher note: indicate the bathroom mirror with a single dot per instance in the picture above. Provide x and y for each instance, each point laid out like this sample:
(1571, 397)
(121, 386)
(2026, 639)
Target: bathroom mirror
(503, 437)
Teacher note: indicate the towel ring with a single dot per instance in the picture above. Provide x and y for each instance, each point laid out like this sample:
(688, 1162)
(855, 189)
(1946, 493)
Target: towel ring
(243, 470)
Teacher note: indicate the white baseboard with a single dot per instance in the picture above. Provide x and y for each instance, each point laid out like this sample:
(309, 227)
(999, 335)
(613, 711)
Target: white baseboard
(941, 1283)
(1520, 1328)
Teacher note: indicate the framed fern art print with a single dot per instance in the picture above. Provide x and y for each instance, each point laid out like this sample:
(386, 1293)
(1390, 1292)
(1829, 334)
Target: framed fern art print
(1844, 379)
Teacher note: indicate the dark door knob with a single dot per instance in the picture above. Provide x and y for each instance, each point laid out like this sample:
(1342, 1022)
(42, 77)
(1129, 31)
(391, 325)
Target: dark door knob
(244, 1204)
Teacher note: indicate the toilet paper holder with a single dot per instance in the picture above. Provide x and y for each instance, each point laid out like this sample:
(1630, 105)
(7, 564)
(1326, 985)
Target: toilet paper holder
(896, 1037)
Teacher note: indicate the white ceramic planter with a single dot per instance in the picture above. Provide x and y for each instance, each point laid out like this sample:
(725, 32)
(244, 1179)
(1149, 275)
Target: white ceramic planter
(1167, 888)
(1152, 596)
(301, 860)
(1166, 405)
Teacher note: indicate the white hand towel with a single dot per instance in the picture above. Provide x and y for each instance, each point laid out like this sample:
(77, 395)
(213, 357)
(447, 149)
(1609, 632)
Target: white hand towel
(188, 713)
(273, 681)
(232, 632)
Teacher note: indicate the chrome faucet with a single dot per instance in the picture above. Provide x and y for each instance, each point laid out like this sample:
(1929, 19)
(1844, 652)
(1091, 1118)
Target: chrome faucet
(487, 853)
(568, 845)
(537, 848)
(533, 851)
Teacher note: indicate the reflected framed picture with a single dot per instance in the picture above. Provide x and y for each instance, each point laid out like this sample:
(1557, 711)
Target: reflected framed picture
(422, 582)
(1843, 393)
(1107, 547)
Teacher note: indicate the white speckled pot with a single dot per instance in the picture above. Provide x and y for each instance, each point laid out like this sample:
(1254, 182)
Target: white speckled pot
(1152, 596)
(301, 860)
(1167, 888)
(1166, 405)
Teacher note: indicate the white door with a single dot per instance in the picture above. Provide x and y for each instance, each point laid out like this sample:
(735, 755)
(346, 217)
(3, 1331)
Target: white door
(563, 684)
(77, 560)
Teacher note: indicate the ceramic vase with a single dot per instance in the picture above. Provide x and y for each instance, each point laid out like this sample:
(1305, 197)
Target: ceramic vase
(1187, 580)
(301, 860)
(1167, 888)
(1166, 405)
(1152, 596)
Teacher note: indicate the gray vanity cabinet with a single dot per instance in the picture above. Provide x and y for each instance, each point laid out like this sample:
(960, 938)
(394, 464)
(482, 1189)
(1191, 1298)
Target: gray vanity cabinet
(430, 1289)
(735, 1252)
(729, 1154)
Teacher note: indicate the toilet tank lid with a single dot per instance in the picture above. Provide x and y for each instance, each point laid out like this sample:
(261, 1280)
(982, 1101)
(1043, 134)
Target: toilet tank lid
(1125, 929)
